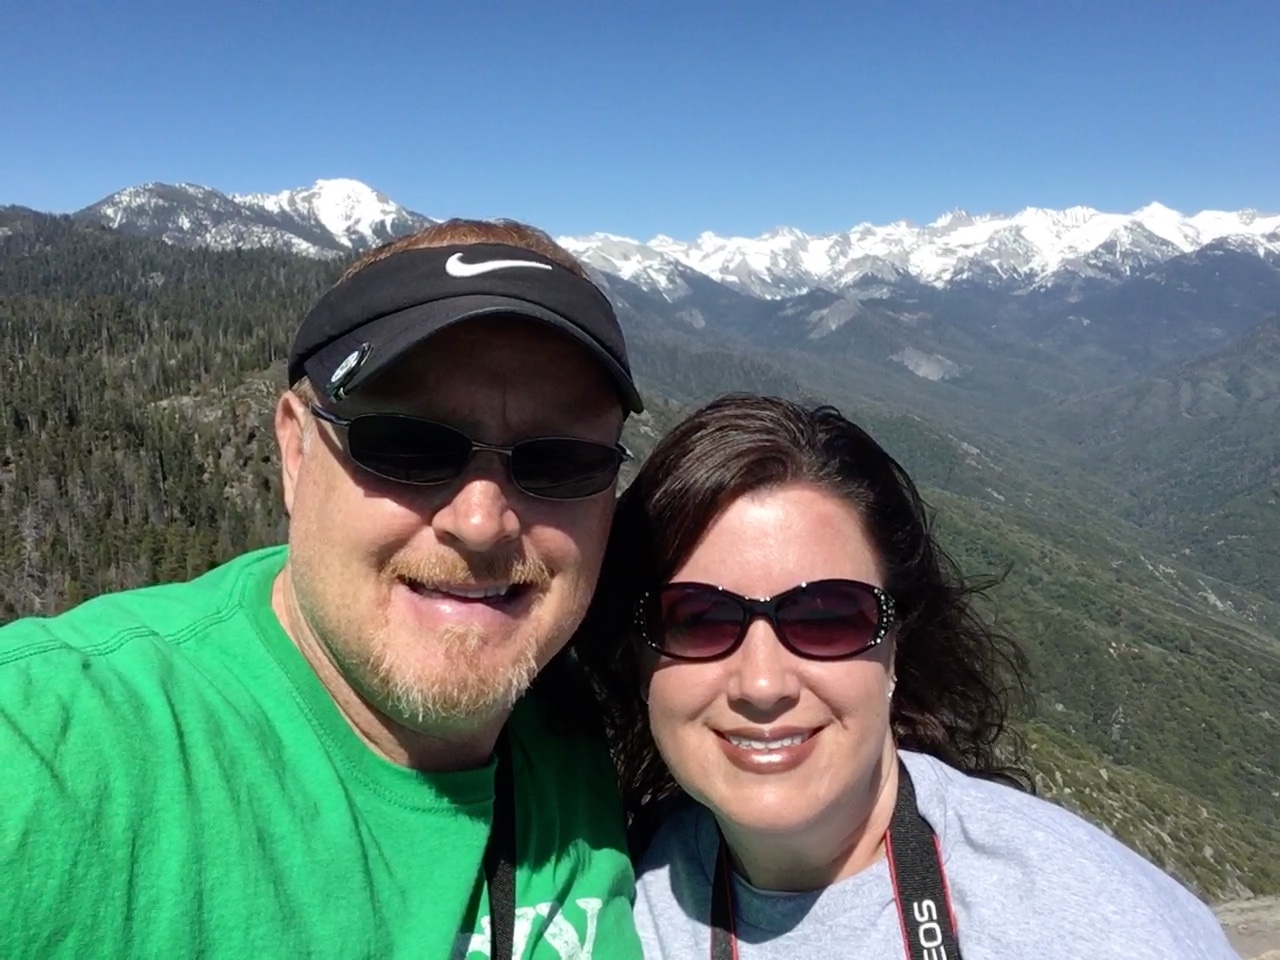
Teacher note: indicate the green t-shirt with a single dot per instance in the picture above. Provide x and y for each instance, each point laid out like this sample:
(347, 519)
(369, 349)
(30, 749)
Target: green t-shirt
(176, 782)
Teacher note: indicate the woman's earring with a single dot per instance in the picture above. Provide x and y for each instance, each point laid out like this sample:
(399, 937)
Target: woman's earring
(892, 684)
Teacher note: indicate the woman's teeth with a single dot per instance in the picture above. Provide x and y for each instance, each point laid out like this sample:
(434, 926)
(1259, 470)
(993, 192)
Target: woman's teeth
(746, 744)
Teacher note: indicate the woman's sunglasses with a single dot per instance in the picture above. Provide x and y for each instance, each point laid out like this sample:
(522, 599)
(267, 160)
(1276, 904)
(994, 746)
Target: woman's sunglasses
(822, 620)
(409, 449)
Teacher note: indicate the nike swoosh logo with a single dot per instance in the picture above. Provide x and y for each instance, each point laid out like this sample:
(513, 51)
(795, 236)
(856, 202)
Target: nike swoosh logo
(456, 267)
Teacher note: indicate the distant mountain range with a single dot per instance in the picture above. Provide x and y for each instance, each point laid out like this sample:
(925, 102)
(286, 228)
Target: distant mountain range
(1032, 249)
(329, 218)
(1141, 341)
(1051, 300)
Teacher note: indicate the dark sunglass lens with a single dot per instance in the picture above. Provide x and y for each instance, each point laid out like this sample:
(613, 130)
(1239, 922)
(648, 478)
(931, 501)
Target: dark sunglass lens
(698, 623)
(563, 468)
(407, 449)
(831, 618)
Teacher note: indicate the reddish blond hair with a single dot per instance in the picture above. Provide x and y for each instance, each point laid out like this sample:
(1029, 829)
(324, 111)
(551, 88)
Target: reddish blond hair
(459, 231)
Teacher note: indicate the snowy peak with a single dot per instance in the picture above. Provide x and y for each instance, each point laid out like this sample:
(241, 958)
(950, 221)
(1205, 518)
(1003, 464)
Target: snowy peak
(1033, 247)
(356, 215)
(331, 217)
(149, 198)
(633, 261)
(952, 220)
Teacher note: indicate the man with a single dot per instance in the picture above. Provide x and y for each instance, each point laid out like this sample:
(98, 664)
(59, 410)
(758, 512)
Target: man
(302, 753)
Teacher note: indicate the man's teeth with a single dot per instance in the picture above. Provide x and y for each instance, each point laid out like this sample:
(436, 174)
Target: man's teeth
(746, 744)
(482, 594)
(477, 593)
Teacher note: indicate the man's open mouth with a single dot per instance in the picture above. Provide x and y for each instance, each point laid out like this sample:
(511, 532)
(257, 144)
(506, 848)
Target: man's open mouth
(496, 593)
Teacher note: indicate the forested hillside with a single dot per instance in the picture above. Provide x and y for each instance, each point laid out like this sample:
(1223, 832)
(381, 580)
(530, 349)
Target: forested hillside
(132, 445)
(1198, 446)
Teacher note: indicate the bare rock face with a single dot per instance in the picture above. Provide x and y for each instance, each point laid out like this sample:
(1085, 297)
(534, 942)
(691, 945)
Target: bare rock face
(1253, 926)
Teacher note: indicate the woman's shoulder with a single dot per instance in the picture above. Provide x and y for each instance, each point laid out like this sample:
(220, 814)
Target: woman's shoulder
(685, 840)
(968, 810)
(673, 883)
(1011, 855)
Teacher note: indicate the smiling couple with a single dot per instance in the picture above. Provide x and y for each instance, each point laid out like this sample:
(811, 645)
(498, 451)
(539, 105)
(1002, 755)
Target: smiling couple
(403, 735)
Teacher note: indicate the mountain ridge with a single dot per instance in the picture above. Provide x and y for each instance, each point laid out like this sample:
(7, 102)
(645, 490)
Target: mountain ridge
(1035, 248)
(329, 218)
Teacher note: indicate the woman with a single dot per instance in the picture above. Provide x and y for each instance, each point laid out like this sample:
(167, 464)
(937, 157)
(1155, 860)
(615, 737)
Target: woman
(802, 660)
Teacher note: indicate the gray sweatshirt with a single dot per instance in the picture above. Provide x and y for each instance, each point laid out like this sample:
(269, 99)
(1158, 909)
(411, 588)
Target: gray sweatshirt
(1027, 880)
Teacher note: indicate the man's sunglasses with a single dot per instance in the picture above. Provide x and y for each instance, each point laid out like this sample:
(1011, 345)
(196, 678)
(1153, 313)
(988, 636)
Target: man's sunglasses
(409, 449)
(822, 620)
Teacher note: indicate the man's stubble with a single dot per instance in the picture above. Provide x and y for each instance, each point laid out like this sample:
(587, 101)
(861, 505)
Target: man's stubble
(454, 685)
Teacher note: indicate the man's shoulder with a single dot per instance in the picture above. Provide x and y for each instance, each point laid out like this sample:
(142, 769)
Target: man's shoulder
(120, 645)
(104, 687)
(102, 626)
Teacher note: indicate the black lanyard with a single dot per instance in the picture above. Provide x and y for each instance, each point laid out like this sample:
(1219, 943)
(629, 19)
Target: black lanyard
(500, 857)
(915, 869)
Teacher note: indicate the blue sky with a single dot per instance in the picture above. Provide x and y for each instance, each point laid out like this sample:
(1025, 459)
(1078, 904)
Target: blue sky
(655, 117)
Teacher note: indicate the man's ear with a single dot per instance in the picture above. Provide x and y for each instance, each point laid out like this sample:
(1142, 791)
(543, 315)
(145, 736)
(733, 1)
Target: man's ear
(293, 420)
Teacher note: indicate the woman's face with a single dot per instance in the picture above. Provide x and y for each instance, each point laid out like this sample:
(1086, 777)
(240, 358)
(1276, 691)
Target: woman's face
(762, 544)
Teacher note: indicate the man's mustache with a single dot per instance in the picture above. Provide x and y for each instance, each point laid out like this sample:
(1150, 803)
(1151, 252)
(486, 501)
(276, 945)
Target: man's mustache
(449, 569)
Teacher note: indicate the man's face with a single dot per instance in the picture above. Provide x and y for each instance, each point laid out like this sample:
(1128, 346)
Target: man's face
(439, 604)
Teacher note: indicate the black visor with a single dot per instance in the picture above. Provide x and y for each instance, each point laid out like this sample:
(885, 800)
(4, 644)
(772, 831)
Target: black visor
(369, 320)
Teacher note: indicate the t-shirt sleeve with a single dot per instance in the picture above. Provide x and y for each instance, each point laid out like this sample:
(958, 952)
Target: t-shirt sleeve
(52, 797)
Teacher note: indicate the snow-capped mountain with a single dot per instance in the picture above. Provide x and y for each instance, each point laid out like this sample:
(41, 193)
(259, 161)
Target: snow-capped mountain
(1040, 302)
(630, 260)
(1033, 248)
(331, 217)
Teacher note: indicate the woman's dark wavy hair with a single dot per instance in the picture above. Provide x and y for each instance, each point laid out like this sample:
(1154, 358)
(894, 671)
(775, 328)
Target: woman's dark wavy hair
(957, 677)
